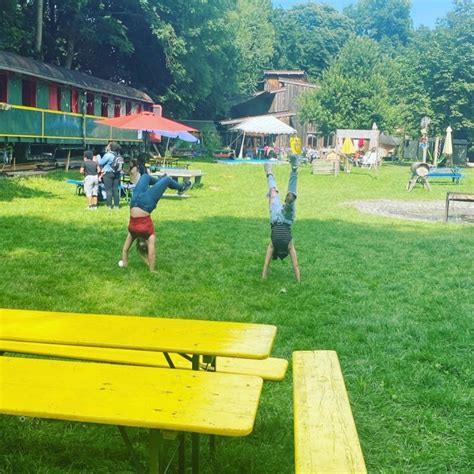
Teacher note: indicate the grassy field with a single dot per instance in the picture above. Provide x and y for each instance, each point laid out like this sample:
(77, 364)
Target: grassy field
(393, 297)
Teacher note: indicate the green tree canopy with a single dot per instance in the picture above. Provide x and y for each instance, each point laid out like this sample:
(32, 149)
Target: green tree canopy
(443, 60)
(254, 40)
(386, 21)
(309, 36)
(354, 91)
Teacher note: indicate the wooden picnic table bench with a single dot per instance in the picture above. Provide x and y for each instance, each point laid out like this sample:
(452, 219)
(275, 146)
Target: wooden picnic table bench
(194, 337)
(185, 174)
(124, 188)
(271, 369)
(143, 341)
(460, 197)
(452, 173)
(130, 396)
(326, 438)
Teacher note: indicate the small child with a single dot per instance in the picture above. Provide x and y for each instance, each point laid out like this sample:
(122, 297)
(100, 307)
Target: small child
(282, 217)
(90, 170)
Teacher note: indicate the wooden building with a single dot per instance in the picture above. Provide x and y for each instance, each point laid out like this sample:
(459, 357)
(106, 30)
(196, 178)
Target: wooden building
(281, 89)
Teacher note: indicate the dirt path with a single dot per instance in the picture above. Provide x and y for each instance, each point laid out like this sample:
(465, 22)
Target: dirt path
(431, 211)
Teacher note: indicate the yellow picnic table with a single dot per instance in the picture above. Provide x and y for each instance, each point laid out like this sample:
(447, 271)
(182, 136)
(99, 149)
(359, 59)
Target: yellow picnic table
(189, 338)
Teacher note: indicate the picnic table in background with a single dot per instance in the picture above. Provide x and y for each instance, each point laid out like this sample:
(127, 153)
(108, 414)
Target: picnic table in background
(184, 174)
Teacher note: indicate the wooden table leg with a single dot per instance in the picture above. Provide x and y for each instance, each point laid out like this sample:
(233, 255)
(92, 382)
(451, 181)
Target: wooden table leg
(448, 196)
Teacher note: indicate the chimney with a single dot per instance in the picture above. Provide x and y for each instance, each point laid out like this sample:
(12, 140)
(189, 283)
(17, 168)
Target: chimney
(157, 110)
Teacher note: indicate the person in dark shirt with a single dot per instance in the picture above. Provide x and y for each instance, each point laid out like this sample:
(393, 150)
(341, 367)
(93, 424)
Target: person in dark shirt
(90, 170)
(140, 227)
(282, 216)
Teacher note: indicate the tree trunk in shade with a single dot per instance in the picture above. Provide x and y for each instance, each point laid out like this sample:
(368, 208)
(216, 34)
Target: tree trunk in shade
(39, 29)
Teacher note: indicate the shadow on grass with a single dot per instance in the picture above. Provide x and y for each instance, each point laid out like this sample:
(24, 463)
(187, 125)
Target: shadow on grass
(224, 255)
(391, 299)
(13, 188)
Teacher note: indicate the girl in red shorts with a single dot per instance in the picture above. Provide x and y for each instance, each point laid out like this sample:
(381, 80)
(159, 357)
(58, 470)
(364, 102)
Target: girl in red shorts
(140, 227)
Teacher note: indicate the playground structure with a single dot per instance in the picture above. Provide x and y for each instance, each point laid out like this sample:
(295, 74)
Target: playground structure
(373, 137)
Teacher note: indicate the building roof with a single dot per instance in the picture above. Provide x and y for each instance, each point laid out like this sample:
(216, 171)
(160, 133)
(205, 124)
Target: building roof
(283, 72)
(32, 67)
(241, 119)
(298, 83)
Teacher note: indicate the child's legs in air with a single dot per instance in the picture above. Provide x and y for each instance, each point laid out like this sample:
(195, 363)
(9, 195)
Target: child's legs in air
(149, 200)
(274, 202)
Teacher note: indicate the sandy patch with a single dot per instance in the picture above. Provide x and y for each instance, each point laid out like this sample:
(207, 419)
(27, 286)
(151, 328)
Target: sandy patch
(431, 211)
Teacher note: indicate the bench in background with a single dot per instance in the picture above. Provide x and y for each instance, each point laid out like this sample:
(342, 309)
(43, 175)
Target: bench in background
(321, 166)
(452, 173)
(460, 197)
(184, 174)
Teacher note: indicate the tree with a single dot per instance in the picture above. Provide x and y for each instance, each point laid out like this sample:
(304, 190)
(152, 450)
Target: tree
(15, 35)
(254, 39)
(194, 43)
(385, 21)
(443, 59)
(39, 28)
(309, 36)
(354, 91)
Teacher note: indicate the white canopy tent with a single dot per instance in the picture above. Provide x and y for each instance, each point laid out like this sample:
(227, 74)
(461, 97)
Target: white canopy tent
(262, 125)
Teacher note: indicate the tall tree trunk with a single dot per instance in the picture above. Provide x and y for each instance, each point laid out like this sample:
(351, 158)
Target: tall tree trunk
(39, 28)
(69, 51)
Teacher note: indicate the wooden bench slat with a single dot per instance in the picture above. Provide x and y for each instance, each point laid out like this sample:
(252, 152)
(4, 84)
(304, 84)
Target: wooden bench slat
(326, 439)
(177, 400)
(269, 369)
(215, 338)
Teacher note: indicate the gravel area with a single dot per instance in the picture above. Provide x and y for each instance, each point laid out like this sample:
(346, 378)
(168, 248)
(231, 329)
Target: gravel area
(431, 211)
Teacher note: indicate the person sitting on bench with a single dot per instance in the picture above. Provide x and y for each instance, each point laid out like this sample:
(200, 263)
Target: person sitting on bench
(282, 217)
(140, 228)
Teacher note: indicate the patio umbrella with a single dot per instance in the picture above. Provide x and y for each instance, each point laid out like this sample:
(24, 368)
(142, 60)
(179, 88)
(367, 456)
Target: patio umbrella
(184, 136)
(448, 144)
(146, 121)
(348, 147)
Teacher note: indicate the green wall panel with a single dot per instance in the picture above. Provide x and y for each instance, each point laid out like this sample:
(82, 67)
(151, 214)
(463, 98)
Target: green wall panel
(20, 122)
(14, 90)
(42, 95)
(59, 125)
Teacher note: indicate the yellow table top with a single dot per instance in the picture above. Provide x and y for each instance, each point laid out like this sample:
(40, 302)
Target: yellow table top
(251, 341)
(177, 400)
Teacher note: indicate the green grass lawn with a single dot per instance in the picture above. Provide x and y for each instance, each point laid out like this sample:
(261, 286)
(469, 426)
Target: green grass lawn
(393, 297)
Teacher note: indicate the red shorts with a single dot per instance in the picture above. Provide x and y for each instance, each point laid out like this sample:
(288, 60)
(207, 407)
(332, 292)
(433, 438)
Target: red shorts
(141, 227)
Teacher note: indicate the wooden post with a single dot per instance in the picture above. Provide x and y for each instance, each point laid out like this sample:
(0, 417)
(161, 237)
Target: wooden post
(68, 159)
(436, 147)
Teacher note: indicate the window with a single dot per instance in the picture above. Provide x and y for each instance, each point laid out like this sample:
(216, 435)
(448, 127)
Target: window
(139, 108)
(53, 97)
(90, 103)
(3, 88)
(74, 101)
(59, 95)
(128, 108)
(28, 93)
(117, 106)
(105, 106)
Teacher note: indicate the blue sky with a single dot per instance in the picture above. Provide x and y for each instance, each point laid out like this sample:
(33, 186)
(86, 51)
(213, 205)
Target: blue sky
(423, 12)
